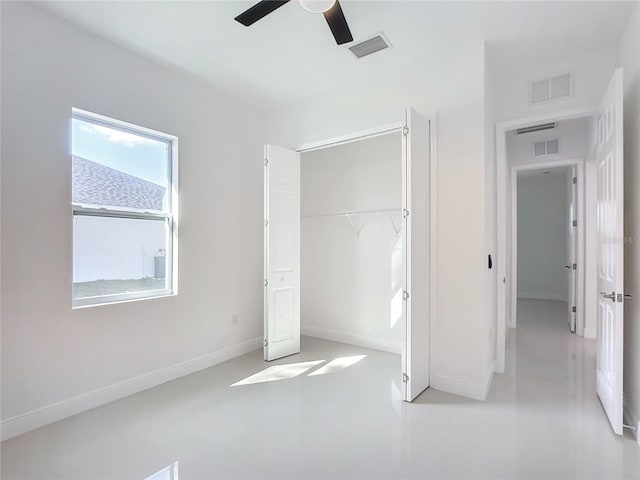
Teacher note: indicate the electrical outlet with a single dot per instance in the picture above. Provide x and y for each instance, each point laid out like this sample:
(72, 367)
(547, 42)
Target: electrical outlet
(234, 319)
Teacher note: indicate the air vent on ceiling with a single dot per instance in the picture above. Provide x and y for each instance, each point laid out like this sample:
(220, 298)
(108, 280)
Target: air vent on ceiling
(551, 88)
(542, 149)
(370, 45)
(536, 128)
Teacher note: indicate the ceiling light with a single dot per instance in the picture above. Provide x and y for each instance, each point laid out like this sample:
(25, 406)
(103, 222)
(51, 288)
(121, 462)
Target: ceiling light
(317, 6)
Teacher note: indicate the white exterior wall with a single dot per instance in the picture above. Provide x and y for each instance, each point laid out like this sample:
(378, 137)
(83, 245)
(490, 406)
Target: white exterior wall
(115, 249)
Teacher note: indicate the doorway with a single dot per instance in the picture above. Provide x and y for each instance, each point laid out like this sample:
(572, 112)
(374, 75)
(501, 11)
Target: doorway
(409, 216)
(604, 234)
(547, 237)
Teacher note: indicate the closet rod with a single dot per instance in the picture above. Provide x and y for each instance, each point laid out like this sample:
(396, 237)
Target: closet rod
(351, 213)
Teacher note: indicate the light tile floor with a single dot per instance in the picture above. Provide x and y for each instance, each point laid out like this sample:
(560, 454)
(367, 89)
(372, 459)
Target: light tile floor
(542, 420)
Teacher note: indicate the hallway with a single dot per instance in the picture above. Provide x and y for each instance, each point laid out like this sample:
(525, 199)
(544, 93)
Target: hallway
(301, 418)
(551, 407)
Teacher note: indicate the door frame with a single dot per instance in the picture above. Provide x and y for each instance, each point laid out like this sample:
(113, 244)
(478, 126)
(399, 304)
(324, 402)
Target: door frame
(501, 213)
(578, 163)
(433, 194)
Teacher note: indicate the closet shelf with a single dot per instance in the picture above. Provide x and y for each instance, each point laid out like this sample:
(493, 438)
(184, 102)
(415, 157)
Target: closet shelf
(357, 228)
(352, 213)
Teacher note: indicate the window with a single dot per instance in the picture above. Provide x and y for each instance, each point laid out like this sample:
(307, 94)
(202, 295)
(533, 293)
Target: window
(124, 184)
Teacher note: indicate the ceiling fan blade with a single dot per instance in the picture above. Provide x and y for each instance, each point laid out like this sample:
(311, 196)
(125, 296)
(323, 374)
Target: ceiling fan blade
(338, 24)
(258, 11)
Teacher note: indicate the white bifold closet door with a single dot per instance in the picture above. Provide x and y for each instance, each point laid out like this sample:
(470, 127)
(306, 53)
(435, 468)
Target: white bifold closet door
(282, 252)
(610, 211)
(416, 207)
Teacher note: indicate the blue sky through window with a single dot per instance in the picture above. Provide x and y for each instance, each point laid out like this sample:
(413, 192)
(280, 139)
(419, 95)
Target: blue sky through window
(133, 154)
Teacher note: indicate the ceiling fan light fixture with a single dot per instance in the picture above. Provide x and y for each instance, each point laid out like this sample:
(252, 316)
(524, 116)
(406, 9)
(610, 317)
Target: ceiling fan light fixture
(317, 6)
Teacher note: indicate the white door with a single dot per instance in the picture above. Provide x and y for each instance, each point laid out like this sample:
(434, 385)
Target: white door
(415, 199)
(281, 252)
(572, 248)
(610, 252)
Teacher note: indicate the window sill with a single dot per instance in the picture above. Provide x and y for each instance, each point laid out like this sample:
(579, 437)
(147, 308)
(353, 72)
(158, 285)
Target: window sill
(89, 302)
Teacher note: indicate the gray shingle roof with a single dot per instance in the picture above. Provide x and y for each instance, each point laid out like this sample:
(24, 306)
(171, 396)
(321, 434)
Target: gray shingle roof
(96, 184)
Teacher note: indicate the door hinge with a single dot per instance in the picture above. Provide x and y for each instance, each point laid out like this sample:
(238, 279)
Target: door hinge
(575, 223)
(574, 309)
(405, 130)
(266, 222)
(266, 162)
(266, 282)
(405, 295)
(266, 343)
(405, 378)
(575, 180)
(575, 266)
(405, 213)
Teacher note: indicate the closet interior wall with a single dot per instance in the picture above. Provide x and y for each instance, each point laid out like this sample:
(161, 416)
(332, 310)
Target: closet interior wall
(351, 247)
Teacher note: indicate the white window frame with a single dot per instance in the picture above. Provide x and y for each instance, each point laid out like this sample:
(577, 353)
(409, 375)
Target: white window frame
(170, 217)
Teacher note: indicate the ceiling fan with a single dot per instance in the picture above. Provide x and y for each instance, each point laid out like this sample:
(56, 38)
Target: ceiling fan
(331, 10)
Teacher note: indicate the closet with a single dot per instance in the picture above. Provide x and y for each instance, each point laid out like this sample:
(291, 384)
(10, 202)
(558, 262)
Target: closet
(351, 243)
(347, 244)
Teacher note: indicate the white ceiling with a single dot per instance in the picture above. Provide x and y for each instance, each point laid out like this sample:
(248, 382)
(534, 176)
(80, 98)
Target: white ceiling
(290, 55)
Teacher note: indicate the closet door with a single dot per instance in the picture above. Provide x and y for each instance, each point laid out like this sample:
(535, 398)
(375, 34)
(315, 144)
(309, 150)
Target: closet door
(415, 198)
(281, 252)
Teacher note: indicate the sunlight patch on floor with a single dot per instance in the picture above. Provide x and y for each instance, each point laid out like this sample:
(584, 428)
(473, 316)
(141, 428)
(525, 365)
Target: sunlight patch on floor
(279, 372)
(337, 364)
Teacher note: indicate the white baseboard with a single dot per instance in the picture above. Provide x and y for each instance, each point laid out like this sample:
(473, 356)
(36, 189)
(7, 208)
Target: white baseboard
(477, 391)
(542, 296)
(359, 340)
(632, 418)
(20, 424)
(590, 333)
(489, 379)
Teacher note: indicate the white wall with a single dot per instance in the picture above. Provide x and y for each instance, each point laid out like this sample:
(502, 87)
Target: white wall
(459, 333)
(511, 76)
(51, 353)
(352, 284)
(542, 236)
(630, 61)
(491, 234)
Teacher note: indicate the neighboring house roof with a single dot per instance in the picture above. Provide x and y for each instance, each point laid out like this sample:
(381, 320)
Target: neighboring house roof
(96, 184)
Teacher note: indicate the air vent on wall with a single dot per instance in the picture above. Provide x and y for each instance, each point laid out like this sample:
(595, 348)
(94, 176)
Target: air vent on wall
(542, 149)
(370, 45)
(536, 128)
(551, 88)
